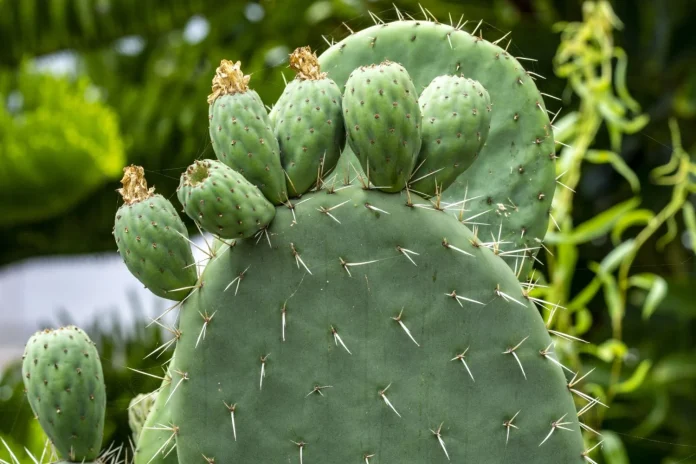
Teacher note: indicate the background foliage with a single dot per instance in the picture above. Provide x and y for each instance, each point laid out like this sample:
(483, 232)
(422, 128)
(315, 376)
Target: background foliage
(619, 261)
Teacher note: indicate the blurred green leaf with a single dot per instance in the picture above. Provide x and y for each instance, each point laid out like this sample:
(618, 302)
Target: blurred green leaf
(609, 264)
(675, 368)
(636, 379)
(656, 416)
(656, 287)
(630, 219)
(609, 350)
(564, 128)
(60, 145)
(613, 448)
(612, 296)
(690, 223)
(606, 156)
(595, 227)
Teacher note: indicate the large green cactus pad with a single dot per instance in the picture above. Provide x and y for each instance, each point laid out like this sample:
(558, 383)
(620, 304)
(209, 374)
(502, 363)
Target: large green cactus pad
(342, 340)
(513, 177)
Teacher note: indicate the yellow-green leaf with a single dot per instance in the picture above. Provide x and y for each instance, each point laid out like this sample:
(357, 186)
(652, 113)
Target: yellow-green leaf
(690, 223)
(595, 227)
(612, 296)
(630, 219)
(656, 287)
(613, 448)
(636, 379)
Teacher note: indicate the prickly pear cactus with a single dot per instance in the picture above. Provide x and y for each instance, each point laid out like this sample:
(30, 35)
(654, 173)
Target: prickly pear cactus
(65, 388)
(509, 187)
(366, 322)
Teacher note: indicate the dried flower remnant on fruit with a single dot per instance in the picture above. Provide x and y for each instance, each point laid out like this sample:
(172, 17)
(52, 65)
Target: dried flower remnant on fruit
(305, 63)
(134, 185)
(228, 80)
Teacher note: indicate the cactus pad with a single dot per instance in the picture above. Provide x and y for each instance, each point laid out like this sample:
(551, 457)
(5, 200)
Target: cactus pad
(138, 410)
(157, 444)
(65, 387)
(152, 239)
(382, 297)
(223, 201)
(383, 123)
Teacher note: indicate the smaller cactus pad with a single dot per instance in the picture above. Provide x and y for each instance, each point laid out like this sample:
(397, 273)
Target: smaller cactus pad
(308, 124)
(157, 444)
(65, 387)
(456, 118)
(223, 201)
(152, 239)
(383, 122)
(138, 410)
(241, 132)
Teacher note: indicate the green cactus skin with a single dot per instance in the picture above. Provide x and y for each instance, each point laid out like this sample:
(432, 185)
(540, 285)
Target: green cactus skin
(152, 239)
(323, 391)
(383, 122)
(65, 388)
(514, 175)
(241, 132)
(138, 410)
(222, 201)
(456, 119)
(155, 444)
(308, 123)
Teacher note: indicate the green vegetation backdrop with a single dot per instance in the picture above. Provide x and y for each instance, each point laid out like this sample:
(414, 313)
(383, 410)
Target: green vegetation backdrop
(618, 262)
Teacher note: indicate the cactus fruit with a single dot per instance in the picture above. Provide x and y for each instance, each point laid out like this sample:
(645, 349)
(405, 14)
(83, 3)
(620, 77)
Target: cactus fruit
(383, 123)
(376, 326)
(152, 240)
(456, 119)
(308, 124)
(65, 387)
(241, 132)
(223, 201)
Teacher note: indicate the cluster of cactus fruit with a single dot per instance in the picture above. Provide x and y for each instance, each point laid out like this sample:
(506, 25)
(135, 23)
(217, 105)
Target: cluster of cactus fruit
(347, 312)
